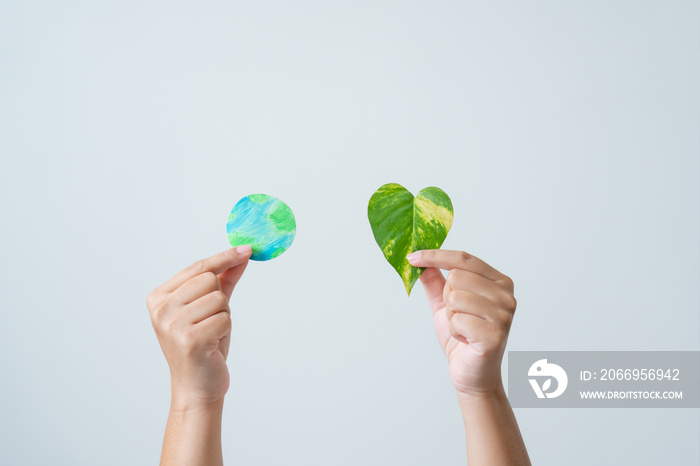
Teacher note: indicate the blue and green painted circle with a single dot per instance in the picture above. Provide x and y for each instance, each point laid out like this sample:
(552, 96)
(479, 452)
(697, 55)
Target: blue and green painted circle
(264, 222)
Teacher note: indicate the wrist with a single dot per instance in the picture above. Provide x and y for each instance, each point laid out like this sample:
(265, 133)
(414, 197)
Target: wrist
(475, 407)
(185, 402)
(495, 395)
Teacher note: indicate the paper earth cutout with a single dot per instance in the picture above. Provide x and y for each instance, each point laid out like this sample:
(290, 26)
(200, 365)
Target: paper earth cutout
(264, 222)
(402, 224)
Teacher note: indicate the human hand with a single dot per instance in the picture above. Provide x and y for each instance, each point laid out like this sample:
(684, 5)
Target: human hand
(191, 317)
(472, 311)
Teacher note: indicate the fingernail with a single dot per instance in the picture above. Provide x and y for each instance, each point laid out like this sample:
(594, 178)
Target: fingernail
(244, 249)
(414, 256)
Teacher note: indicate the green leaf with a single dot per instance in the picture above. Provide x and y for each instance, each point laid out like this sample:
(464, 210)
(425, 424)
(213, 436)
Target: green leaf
(402, 224)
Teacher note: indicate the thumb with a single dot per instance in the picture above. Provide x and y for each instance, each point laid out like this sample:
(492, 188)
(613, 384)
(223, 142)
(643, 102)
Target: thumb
(230, 277)
(433, 284)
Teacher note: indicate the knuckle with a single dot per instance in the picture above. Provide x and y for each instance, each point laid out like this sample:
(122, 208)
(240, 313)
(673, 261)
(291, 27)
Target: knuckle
(508, 282)
(220, 299)
(210, 278)
(510, 303)
(451, 300)
(152, 299)
(227, 321)
(452, 277)
(158, 312)
(198, 266)
(463, 257)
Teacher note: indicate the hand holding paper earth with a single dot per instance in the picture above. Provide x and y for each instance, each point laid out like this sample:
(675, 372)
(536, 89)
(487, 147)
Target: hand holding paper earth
(264, 222)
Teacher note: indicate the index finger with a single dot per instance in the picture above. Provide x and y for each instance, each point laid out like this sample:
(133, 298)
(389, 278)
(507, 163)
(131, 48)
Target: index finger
(448, 260)
(216, 264)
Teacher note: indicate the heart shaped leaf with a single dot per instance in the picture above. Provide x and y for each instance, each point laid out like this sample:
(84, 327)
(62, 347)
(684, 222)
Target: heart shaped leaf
(402, 224)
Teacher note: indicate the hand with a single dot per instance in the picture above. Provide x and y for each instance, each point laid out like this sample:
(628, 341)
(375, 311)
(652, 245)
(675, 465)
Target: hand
(472, 310)
(191, 317)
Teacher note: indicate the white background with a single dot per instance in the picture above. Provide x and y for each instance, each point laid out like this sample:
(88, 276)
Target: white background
(566, 134)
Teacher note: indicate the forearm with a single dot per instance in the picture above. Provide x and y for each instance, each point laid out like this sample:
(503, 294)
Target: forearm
(192, 435)
(493, 436)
